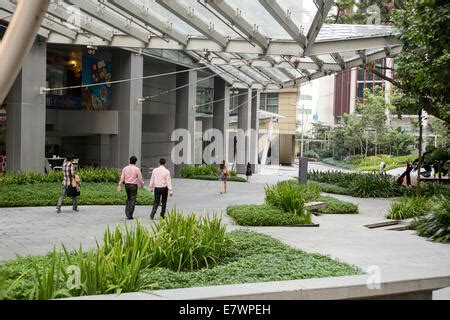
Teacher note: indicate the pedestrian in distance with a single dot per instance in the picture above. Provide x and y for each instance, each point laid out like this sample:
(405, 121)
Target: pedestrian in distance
(132, 178)
(248, 171)
(161, 185)
(70, 184)
(406, 174)
(223, 177)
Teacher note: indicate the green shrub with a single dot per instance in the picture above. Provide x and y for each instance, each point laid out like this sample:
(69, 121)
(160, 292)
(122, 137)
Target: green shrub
(87, 174)
(436, 225)
(362, 185)
(409, 207)
(336, 206)
(216, 178)
(332, 188)
(265, 215)
(249, 257)
(201, 170)
(311, 154)
(47, 194)
(290, 196)
(185, 243)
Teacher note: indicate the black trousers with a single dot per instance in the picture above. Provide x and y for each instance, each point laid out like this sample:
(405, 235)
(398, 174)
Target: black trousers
(161, 195)
(132, 190)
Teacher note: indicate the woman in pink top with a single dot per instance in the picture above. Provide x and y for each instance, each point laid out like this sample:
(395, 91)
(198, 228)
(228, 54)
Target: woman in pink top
(132, 177)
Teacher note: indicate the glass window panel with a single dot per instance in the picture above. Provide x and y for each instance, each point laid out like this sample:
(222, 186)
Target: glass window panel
(302, 12)
(255, 14)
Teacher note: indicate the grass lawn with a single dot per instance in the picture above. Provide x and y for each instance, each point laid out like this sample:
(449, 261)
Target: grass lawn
(47, 194)
(250, 257)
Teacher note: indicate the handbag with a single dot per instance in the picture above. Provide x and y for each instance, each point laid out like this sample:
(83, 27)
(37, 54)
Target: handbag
(72, 192)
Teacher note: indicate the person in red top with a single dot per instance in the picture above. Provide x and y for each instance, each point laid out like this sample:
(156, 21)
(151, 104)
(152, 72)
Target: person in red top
(161, 183)
(132, 177)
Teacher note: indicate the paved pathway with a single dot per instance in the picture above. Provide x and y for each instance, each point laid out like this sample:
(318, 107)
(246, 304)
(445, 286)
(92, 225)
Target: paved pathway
(36, 230)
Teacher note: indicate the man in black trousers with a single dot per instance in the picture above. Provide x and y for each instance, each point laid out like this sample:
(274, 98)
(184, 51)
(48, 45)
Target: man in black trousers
(161, 184)
(132, 177)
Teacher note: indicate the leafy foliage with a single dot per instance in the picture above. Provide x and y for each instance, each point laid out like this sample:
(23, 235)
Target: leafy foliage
(248, 257)
(264, 215)
(435, 225)
(422, 67)
(207, 170)
(335, 206)
(362, 185)
(215, 178)
(86, 175)
(409, 207)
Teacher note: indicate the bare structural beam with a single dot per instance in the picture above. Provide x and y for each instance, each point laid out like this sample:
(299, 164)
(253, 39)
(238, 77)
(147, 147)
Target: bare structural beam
(348, 65)
(236, 19)
(324, 6)
(144, 15)
(188, 15)
(284, 20)
(99, 11)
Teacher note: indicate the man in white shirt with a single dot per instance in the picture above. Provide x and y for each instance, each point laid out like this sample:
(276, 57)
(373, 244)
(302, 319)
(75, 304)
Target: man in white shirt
(161, 184)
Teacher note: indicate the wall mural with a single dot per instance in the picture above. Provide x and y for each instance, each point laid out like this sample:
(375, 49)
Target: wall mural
(96, 71)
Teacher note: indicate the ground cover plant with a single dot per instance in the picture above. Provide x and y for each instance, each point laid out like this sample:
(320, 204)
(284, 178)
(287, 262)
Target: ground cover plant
(263, 215)
(126, 263)
(47, 194)
(336, 206)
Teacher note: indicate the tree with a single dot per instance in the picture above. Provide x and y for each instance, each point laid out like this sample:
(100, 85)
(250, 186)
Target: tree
(373, 111)
(364, 12)
(423, 65)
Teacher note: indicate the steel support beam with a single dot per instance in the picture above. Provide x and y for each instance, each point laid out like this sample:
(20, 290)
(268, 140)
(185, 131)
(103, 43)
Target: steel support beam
(324, 7)
(144, 15)
(284, 20)
(86, 24)
(188, 15)
(236, 19)
(100, 12)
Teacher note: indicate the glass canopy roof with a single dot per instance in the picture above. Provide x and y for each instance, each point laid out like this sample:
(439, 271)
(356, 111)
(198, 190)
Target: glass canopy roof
(263, 43)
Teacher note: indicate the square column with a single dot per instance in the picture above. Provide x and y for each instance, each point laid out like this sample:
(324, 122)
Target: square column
(244, 130)
(186, 101)
(25, 141)
(125, 95)
(254, 135)
(221, 112)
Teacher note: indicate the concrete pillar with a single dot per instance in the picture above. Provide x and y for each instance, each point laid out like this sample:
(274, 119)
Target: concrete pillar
(186, 101)
(254, 135)
(221, 111)
(25, 142)
(125, 95)
(244, 126)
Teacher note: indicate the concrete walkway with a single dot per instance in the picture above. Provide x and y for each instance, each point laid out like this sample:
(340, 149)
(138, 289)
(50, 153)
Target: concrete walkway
(36, 230)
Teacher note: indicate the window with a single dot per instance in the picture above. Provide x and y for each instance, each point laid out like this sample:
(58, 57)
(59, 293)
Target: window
(205, 97)
(269, 102)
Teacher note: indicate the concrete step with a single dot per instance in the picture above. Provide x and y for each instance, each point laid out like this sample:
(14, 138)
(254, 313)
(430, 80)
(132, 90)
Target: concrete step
(382, 224)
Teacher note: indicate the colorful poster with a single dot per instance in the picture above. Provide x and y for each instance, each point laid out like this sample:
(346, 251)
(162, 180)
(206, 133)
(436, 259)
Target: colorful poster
(96, 71)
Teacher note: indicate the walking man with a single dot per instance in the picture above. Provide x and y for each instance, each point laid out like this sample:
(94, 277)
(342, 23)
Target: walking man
(132, 177)
(68, 169)
(161, 184)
